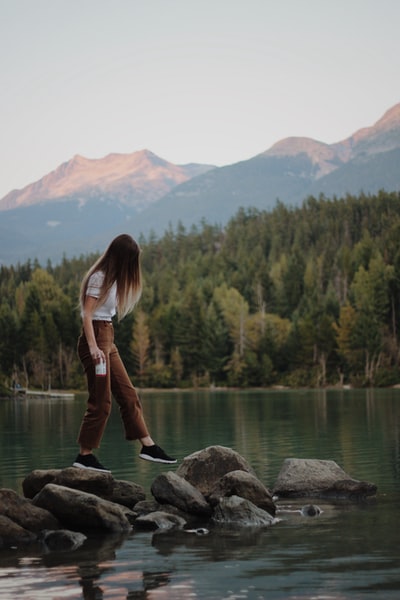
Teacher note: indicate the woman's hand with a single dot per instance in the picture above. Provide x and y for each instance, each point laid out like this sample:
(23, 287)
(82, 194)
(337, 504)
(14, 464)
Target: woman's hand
(97, 355)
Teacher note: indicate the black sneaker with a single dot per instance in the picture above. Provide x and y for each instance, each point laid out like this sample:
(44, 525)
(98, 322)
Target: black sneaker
(156, 454)
(89, 461)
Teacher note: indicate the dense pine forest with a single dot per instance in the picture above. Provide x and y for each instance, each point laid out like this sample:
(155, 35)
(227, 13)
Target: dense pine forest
(306, 296)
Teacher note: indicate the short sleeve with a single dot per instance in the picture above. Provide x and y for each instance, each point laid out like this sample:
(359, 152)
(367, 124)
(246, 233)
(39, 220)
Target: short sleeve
(94, 284)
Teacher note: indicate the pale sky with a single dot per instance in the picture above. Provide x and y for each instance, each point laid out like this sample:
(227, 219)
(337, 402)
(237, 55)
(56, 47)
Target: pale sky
(207, 81)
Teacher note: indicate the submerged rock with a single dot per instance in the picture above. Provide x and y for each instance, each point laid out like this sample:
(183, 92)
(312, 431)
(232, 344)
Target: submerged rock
(160, 520)
(310, 510)
(62, 540)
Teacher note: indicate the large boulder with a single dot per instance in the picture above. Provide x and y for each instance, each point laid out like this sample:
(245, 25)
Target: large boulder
(312, 478)
(85, 480)
(24, 513)
(238, 511)
(82, 511)
(245, 485)
(203, 469)
(170, 488)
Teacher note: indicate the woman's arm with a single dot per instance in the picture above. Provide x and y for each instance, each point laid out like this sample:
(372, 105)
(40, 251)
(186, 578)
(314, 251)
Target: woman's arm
(87, 322)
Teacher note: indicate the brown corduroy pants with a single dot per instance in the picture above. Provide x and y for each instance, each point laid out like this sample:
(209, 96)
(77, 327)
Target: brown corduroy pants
(115, 383)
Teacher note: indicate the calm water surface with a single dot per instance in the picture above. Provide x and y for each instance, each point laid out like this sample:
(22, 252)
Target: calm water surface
(350, 551)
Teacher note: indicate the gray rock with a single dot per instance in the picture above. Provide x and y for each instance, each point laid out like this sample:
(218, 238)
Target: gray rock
(13, 535)
(61, 540)
(37, 479)
(160, 520)
(170, 488)
(24, 513)
(86, 480)
(126, 493)
(79, 510)
(144, 507)
(311, 510)
(299, 478)
(203, 469)
(245, 485)
(130, 514)
(234, 510)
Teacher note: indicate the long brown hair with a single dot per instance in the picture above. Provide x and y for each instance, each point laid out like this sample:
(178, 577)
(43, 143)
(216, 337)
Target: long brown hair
(120, 263)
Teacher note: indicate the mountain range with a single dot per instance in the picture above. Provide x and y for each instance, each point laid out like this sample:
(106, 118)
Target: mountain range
(81, 205)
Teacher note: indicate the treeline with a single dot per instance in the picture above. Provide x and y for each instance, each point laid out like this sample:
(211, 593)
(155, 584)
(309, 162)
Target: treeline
(306, 296)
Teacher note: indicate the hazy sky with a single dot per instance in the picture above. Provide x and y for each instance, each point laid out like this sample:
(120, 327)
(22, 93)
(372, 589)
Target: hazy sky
(210, 81)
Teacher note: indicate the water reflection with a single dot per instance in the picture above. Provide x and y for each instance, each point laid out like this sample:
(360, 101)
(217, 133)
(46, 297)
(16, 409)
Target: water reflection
(344, 552)
(94, 569)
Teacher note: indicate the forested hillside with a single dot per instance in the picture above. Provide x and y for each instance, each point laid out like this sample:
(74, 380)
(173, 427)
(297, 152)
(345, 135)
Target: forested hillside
(306, 296)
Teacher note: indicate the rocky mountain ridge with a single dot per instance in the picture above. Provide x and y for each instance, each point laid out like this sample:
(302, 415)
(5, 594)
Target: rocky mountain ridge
(135, 179)
(81, 205)
(383, 136)
(141, 178)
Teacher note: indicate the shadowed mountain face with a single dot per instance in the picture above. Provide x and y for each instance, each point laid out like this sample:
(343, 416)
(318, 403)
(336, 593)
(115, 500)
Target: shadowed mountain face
(81, 205)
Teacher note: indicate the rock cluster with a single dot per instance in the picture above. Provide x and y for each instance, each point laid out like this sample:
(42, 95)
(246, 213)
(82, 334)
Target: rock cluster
(212, 487)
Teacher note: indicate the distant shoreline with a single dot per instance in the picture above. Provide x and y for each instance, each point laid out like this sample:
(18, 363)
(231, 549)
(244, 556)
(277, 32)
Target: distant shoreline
(59, 394)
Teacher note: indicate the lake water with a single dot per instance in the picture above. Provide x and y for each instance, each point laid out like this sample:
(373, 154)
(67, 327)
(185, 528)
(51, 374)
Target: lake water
(351, 551)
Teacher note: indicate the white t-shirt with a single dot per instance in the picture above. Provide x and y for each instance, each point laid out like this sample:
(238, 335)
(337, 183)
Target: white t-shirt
(107, 310)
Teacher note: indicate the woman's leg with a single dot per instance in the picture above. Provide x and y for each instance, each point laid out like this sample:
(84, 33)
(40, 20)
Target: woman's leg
(132, 413)
(128, 400)
(98, 410)
(99, 388)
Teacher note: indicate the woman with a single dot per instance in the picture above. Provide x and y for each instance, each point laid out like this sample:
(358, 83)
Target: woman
(112, 285)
